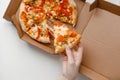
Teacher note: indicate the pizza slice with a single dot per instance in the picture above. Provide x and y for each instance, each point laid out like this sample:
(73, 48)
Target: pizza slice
(64, 37)
(64, 10)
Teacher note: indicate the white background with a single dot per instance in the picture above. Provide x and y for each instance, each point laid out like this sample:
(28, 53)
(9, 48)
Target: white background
(22, 61)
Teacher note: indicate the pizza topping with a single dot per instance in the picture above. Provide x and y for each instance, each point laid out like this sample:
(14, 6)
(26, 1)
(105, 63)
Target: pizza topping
(42, 3)
(23, 16)
(28, 8)
(70, 10)
(50, 1)
(49, 15)
(65, 9)
(39, 19)
(30, 32)
(71, 33)
(38, 10)
(55, 8)
(30, 23)
(58, 24)
(61, 39)
(50, 34)
(38, 36)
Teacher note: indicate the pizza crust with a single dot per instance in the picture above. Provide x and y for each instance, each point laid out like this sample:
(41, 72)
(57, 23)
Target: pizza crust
(74, 16)
(20, 20)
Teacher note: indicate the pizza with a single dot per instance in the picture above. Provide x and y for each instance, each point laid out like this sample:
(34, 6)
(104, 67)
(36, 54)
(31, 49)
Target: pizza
(64, 37)
(35, 16)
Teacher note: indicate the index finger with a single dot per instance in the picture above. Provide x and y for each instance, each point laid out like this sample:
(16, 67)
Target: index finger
(69, 54)
(79, 54)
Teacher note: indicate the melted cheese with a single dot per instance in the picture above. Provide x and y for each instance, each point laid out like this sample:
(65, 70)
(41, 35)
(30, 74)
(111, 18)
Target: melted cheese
(30, 22)
(60, 30)
(53, 13)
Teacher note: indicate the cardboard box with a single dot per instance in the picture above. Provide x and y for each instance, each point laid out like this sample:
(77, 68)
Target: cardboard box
(99, 24)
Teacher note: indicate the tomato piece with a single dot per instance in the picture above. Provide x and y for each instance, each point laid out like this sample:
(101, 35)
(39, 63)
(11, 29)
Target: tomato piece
(65, 12)
(42, 3)
(57, 24)
(50, 1)
(38, 36)
(64, 5)
(55, 8)
(28, 8)
(71, 33)
(23, 16)
(49, 15)
(50, 34)
(65, 0)
(61, 39)
(38, 10)
(64, 9)
(40, 19)
(70, 10)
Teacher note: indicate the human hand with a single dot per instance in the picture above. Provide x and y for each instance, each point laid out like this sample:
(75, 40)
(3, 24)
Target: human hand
(71, 62)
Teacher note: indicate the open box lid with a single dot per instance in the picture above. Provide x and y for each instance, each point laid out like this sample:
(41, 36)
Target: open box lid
(101, 39)
(12, 9)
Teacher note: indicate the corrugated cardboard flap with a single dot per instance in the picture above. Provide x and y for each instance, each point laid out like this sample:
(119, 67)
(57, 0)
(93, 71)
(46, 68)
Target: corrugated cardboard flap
(12, 9)
(115, 9)
(101, 39)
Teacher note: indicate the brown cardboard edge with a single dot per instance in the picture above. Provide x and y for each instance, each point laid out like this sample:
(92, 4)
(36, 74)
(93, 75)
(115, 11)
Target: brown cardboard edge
(91, 74)
(16, 23)
(109, 7)
(12, 9)
(83, 0)
(43, 47)
(106, 6)
(94, 5)
(86, 6)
